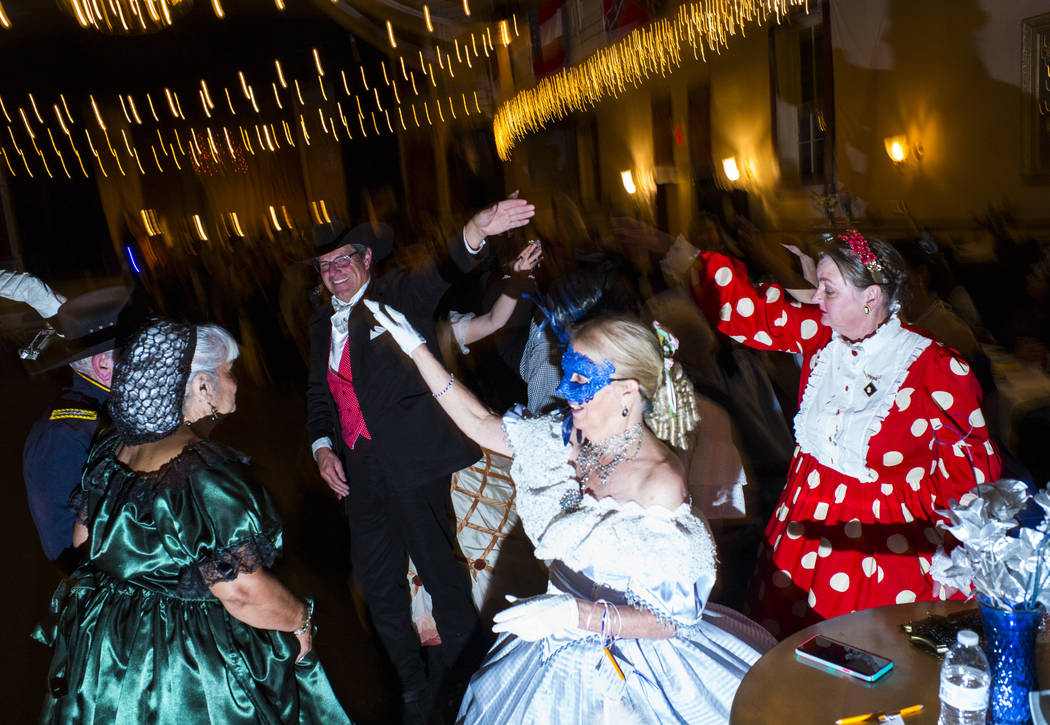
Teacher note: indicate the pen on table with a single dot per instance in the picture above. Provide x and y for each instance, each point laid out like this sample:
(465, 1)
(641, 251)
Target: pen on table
(876, 716)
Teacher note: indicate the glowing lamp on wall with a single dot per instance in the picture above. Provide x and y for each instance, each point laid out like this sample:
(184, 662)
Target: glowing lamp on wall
(628, 181)
(730, 168)
(896, 148)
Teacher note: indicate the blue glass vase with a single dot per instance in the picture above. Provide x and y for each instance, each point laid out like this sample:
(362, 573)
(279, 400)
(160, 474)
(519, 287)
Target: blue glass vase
(1009, 642)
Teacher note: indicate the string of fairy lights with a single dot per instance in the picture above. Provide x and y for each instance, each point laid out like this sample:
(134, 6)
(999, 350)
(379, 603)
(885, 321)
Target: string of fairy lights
(654, 49)
(219, 126)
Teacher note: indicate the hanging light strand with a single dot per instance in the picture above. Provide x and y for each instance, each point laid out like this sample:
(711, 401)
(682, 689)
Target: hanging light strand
(644, 52)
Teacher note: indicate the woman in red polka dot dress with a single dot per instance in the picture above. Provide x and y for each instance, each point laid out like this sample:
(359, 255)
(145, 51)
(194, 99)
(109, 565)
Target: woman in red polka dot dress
(889, 428)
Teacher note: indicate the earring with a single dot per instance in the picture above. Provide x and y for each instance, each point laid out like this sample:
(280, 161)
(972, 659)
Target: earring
(214, 412)
(867, 310)
(624, 412)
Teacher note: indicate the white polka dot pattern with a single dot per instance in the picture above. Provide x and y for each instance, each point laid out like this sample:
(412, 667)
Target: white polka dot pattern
(892, 458)
(745, 307)
(919, 427)
(854, 528)
(903, 398)
(772, 294)
(943, 398)
(763, 338)
(905, 596)
(725, 312)
(897, 543)
(808, 329)
(839, 582)
(723, 276)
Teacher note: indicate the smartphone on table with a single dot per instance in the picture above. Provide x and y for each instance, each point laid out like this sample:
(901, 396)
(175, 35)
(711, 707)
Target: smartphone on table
(844, 658)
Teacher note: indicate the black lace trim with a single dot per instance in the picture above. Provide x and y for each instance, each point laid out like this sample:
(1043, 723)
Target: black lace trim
(226, 565)
(78, 503)
(142, 488)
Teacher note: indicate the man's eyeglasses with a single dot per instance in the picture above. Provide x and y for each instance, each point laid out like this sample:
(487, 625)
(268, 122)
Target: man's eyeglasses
(340, 262)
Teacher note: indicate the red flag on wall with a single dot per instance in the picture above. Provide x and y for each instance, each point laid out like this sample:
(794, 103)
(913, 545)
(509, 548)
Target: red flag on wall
(548, 37)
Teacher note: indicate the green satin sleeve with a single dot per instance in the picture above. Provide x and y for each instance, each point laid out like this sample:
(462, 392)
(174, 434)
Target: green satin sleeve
(221, 524)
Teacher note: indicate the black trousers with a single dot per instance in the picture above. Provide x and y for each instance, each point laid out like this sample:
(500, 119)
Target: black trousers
(388, 522)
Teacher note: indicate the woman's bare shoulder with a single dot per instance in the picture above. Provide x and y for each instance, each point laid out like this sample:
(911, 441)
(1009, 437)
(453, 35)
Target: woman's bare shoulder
(663, 484)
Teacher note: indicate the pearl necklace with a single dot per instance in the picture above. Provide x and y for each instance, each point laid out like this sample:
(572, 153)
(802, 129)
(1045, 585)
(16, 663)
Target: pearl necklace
(588, 461)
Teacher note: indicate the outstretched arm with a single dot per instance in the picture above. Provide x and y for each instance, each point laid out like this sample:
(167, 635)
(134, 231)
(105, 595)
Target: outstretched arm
(475, 420)
(484, 325)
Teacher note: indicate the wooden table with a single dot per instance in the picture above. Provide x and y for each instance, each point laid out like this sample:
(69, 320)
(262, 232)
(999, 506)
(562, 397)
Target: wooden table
(782, 688)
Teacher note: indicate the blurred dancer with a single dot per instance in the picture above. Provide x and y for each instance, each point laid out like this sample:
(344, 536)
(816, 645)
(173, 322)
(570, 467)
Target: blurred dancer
(382, 443)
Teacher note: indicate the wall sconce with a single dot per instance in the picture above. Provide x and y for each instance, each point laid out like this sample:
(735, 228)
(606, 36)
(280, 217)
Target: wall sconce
(737, 172)
(896, 148)
(730, 168)
(628, 181)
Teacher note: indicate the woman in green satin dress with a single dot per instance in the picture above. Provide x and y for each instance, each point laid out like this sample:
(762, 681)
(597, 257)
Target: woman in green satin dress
(173, 617)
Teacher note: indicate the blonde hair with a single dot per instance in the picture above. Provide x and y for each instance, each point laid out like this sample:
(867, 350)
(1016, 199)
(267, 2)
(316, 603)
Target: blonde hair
(634, 351)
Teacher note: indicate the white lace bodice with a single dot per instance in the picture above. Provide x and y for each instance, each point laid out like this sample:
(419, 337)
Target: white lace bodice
(837, 419)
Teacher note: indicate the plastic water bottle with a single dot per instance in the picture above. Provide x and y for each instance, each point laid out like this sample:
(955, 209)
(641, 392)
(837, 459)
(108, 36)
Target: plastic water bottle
(964, 683)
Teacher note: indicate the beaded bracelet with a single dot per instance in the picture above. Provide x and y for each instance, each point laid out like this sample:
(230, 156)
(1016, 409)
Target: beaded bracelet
(307, 620)
(447, 387)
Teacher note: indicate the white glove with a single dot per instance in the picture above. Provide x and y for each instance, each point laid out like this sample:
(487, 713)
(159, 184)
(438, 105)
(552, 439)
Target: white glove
(397, 325)
(538, 617)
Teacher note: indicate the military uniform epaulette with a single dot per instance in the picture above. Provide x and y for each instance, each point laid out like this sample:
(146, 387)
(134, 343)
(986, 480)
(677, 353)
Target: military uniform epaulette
(78, 413)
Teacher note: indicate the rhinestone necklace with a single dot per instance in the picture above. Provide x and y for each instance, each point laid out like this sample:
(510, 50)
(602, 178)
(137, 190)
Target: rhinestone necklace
(588, 461)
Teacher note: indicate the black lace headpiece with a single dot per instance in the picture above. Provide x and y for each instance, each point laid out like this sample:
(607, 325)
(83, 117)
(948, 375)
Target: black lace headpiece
(149, 382)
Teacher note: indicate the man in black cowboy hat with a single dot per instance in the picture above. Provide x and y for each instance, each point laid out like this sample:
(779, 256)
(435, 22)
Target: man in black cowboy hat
(86, 330)
(384, 445)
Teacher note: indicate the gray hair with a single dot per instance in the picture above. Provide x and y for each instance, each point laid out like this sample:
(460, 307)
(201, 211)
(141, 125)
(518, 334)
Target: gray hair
(215, 347)
(85, 366)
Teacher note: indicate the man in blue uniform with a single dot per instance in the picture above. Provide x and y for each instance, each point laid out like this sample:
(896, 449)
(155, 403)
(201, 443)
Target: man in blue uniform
(86, 329)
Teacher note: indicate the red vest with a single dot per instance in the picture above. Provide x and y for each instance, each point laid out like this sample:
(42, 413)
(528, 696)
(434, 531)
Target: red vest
(341, 385)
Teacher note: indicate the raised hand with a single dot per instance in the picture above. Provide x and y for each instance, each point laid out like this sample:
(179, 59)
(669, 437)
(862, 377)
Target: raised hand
(809, 267)
(529, 258)
(498, 218)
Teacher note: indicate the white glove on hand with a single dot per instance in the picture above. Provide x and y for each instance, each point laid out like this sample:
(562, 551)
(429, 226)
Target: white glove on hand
(397, 325)
(538, 617)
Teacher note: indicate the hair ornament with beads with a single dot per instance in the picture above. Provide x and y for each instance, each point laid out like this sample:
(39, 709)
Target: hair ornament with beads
(859, 246)
(673, 414)
(668, 348)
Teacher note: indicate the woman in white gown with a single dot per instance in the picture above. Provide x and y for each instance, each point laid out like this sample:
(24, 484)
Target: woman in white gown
(623, 632)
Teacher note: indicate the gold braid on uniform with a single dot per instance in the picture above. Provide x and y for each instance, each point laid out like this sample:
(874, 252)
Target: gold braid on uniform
(673, 424)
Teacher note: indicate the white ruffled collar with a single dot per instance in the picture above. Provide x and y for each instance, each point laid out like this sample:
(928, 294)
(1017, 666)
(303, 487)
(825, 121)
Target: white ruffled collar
(837, 418)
